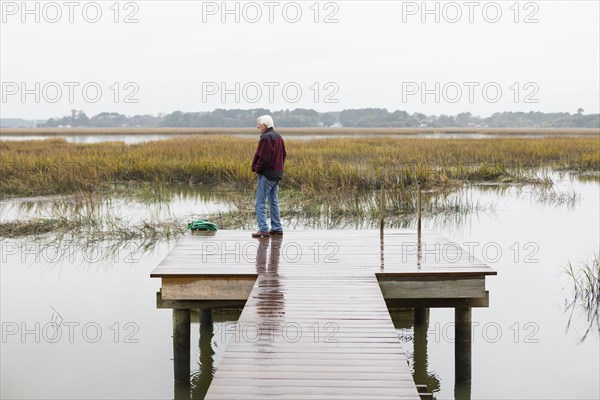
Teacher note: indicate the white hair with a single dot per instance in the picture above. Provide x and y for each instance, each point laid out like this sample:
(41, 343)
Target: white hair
(266, 120)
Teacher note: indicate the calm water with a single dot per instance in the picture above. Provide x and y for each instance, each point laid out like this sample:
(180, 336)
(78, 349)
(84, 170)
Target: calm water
(130, 139)
(116, 344)
(520, 347)
(127, 211)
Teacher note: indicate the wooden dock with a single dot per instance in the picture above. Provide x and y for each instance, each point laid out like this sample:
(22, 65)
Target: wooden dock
(315, 322)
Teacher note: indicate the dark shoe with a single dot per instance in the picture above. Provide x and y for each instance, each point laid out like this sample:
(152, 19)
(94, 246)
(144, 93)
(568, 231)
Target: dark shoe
(278, 233)
(259, 234)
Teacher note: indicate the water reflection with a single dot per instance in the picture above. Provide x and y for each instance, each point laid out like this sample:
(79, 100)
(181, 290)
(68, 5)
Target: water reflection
(202, 380)
(420, 359)
(585, 295)
(140, 138)
(412, 326)
(88, 139)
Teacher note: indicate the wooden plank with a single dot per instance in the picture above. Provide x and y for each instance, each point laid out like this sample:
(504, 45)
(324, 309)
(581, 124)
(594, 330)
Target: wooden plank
(371, 367)
(206, 289)
(197, 304)
(415, 288)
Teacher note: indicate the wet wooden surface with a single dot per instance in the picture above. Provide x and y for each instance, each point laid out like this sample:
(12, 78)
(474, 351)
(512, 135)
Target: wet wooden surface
(315, 325)
(231, 253)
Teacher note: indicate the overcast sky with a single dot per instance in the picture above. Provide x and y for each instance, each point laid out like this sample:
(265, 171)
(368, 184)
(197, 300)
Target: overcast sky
(478, 56)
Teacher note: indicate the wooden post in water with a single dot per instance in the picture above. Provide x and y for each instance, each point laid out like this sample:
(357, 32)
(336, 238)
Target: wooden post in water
(381, 207)
(206, 316)
(419, 253)
(381, 225)
(381, 251)
(462, 344)
(419, 208)
(421, 316)
(421, 325)
(181, 344)
(182, 390)
(462, 391)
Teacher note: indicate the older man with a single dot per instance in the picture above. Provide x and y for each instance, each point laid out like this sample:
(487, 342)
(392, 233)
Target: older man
(268, 163)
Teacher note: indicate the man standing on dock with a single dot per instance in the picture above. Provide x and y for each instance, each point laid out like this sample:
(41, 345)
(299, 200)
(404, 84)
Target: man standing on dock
(268, 163)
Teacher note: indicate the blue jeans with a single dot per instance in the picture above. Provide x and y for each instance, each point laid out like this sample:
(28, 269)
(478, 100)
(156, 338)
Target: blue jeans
(267, 188)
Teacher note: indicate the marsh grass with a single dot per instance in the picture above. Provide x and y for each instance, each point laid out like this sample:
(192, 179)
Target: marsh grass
(91, 216)
(585, 293)
(589, 176)
(33, 227)
(96, 216)
(147, 230)
(337, 210)
(549, 196)
(329, 183)
(53, 166)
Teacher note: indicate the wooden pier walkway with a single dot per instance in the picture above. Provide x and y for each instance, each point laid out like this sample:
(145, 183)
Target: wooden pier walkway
(315, 324)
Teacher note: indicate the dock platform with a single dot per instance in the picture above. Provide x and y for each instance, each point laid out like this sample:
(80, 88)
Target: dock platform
(315, 322)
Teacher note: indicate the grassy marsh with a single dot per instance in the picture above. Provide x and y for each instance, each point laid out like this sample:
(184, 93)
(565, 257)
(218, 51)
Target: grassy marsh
(53, 166)
(329, 183)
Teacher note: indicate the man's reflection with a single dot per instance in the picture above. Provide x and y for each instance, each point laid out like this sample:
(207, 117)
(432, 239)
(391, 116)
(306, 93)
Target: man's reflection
(269, 298)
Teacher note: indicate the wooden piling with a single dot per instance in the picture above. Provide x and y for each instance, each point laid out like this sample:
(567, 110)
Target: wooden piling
(206, 316)
(181, 344)
(462, 391)
(462, 344)
(421, 325)
(421, 316)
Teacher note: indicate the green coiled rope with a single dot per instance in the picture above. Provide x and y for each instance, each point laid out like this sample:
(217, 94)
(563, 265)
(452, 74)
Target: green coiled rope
(202, 225)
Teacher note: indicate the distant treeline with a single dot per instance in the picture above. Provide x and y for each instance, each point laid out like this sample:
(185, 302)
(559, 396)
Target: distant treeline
(357, 118)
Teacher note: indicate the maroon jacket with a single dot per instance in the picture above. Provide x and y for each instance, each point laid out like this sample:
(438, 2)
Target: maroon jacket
(270, 156)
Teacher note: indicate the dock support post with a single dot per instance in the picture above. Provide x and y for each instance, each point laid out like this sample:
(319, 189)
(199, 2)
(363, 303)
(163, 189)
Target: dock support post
(421, 325)
(462, 391)
(181, 344)
(182, 391)
(421, 316)
(462, 344)
(206, 316)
